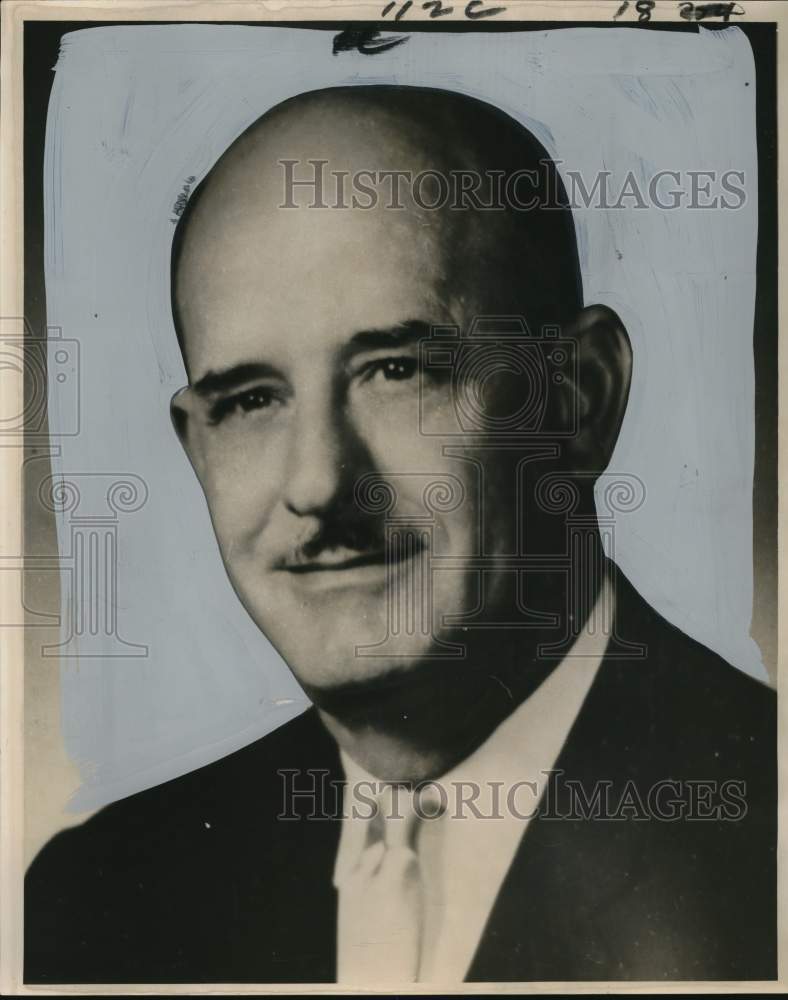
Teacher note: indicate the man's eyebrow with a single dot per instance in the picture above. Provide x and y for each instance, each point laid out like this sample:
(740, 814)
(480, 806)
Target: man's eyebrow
(402, 335)
(231, 378)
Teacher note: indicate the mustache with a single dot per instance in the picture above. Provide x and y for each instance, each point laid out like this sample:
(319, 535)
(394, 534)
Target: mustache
(349, 533)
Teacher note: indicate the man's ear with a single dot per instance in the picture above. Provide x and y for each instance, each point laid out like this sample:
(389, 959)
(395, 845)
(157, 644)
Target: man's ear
(598, 397)
(182, 414)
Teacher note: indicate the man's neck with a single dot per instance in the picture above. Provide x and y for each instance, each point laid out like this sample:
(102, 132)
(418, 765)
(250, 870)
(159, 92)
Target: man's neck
(420, 724)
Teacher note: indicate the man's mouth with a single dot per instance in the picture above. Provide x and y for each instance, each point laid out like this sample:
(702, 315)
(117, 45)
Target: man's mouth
(341, 566)
(337, 559)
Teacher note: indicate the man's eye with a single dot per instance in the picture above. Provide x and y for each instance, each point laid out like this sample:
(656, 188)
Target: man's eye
(394, 369)
(258, 398)
(254, 399)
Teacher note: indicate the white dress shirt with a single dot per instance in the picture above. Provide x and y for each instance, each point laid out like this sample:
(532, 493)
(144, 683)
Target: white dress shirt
(463, 858)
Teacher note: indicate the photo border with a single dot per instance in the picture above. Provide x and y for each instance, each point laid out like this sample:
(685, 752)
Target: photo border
(15, 14)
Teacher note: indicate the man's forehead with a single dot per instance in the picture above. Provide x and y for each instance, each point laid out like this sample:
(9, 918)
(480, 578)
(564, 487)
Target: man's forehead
(246, 260)
(249, 264)
(308, 283)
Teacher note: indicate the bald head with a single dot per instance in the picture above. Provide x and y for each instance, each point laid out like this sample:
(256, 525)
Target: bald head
(386, 178)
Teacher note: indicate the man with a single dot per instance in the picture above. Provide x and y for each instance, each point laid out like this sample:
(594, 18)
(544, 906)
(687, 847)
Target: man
(397, 409)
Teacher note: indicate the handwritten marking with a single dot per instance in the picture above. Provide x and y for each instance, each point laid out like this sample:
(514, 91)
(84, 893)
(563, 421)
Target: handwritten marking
(368, 42)
(473, 14)
(436, 8)
(701, 11)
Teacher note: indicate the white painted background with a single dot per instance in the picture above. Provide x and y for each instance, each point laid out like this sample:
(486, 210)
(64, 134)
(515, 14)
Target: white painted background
(136, 110)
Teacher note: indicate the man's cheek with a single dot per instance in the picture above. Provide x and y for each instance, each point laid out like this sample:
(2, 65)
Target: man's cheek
(241, 512)
(411, 452)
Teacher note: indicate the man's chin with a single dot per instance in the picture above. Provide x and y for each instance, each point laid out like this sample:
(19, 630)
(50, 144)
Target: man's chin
(356, 678)
(362, 690)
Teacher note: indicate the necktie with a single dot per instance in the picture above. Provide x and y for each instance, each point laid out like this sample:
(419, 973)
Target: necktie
(380, 902)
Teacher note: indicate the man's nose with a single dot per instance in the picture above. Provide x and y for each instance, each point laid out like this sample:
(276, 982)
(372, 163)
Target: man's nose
(324, 455)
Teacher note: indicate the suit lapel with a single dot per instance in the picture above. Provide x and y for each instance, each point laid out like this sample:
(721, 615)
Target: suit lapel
(545, 922)
(283, 926)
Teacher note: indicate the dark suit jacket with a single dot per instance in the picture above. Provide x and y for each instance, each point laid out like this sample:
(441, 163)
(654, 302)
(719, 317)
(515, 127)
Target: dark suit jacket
(197, 881)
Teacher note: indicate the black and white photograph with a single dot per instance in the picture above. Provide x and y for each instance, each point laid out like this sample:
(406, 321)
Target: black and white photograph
(390, 597)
